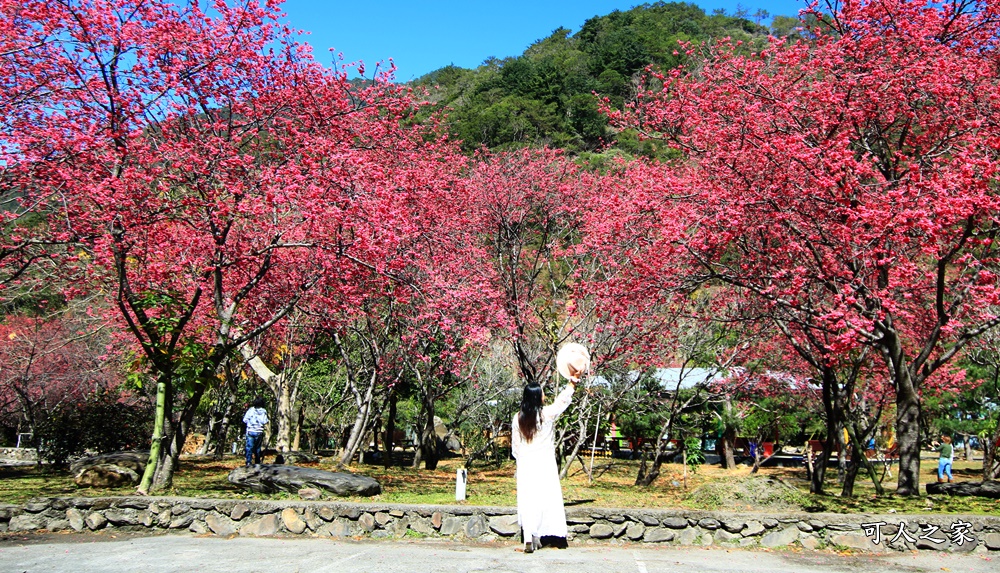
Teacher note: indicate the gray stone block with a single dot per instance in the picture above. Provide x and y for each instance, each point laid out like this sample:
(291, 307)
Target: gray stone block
(95, 521)
(450, 525)
(505, 525)
(422, 526)
(163, 519)
(856, 541)
(675, 522)
(752, 528)
(398, 527)
(240, 510)
(26, 522)
(709, 523)
(635, 531)
(263, 527)
(781, 537)
(688, 536)
(724, 536)
(476, 526)
(36, 506)
(122, 517)
(366, 522)
(199, 527)
(658, 535)
(312, 520)
(292, 521)
(76, 519)
(182, 521)
(733, 525)
(601, 531)
(810, 543)
(220, 525)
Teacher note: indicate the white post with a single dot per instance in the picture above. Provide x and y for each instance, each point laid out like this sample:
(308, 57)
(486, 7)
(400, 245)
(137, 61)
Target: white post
(460, 479)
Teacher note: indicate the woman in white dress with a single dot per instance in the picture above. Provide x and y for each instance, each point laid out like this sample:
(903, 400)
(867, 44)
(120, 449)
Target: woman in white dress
(540, 510)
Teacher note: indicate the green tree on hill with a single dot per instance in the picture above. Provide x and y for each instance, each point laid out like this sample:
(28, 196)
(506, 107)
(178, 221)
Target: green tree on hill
(546, 95)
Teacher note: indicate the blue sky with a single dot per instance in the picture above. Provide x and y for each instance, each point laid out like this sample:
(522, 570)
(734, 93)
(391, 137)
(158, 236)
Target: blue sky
(422, 36)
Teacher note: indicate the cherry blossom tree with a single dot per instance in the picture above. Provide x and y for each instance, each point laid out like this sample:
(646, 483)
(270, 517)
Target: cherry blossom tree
(215, 173)
(846, 182)
(50, 362)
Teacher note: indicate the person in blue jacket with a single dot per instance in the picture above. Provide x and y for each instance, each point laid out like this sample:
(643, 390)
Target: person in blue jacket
(255, 419)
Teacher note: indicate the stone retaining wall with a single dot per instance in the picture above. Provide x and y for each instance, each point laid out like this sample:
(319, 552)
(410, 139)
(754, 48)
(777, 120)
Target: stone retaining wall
(586, 525)
(19, 454)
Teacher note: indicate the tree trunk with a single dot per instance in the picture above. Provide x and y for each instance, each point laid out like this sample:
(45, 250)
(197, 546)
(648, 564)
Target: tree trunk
(859, 460)
(284, 386)
(360, 422)
(990, 469)
(581, 436)
(159, 418)
(851, 473)
(907, 434)
(647, 478)
(390, 431)
(728, 455)
(297, 434)
(177, 436)
(428, 437)
(218, 428)
(284, 412)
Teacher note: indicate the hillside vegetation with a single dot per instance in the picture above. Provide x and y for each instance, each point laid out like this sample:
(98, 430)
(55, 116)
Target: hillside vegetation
(546, 96)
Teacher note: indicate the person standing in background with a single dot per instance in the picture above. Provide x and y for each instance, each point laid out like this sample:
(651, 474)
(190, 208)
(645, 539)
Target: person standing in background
(255, 419)
(945, 456)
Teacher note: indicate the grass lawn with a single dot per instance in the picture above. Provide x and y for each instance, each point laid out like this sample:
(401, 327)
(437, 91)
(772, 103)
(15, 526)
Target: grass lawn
(773, 489)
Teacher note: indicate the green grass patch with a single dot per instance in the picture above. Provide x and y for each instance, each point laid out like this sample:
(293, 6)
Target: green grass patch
(772, 490)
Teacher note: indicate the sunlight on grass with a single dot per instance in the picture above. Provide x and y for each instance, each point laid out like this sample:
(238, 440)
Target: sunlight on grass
(612, 487)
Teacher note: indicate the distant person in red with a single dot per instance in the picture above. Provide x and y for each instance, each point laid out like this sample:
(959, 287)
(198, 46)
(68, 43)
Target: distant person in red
(255, 419)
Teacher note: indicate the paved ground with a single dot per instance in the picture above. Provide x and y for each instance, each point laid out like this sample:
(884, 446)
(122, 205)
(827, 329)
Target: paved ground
(189, 554)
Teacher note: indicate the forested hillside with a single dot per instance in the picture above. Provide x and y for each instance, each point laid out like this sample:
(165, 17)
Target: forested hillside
(546, 95)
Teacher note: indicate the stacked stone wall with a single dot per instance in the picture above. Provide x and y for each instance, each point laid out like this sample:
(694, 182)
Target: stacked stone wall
(587, 526)
(19, 454)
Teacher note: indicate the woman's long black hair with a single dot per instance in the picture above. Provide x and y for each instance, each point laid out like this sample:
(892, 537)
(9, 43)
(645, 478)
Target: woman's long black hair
(531, 411)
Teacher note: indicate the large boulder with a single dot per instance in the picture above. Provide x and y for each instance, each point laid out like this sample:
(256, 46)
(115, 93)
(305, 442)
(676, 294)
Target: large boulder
(109, 470)
(269, 478)
(300, 458)
(135, 461)
(989, 489)
(106, 475)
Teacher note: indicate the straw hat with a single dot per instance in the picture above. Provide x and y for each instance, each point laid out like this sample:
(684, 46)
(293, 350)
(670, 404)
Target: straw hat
(575, 354)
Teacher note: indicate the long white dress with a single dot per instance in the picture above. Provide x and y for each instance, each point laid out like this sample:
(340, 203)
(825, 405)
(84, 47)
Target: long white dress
(540, 508)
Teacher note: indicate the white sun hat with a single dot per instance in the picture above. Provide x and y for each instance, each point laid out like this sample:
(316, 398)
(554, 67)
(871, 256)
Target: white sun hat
(575, 354)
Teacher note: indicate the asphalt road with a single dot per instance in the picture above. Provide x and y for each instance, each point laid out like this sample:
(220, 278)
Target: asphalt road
(188, 554)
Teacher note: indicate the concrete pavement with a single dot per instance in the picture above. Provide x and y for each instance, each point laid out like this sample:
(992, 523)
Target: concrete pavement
(73, 553)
